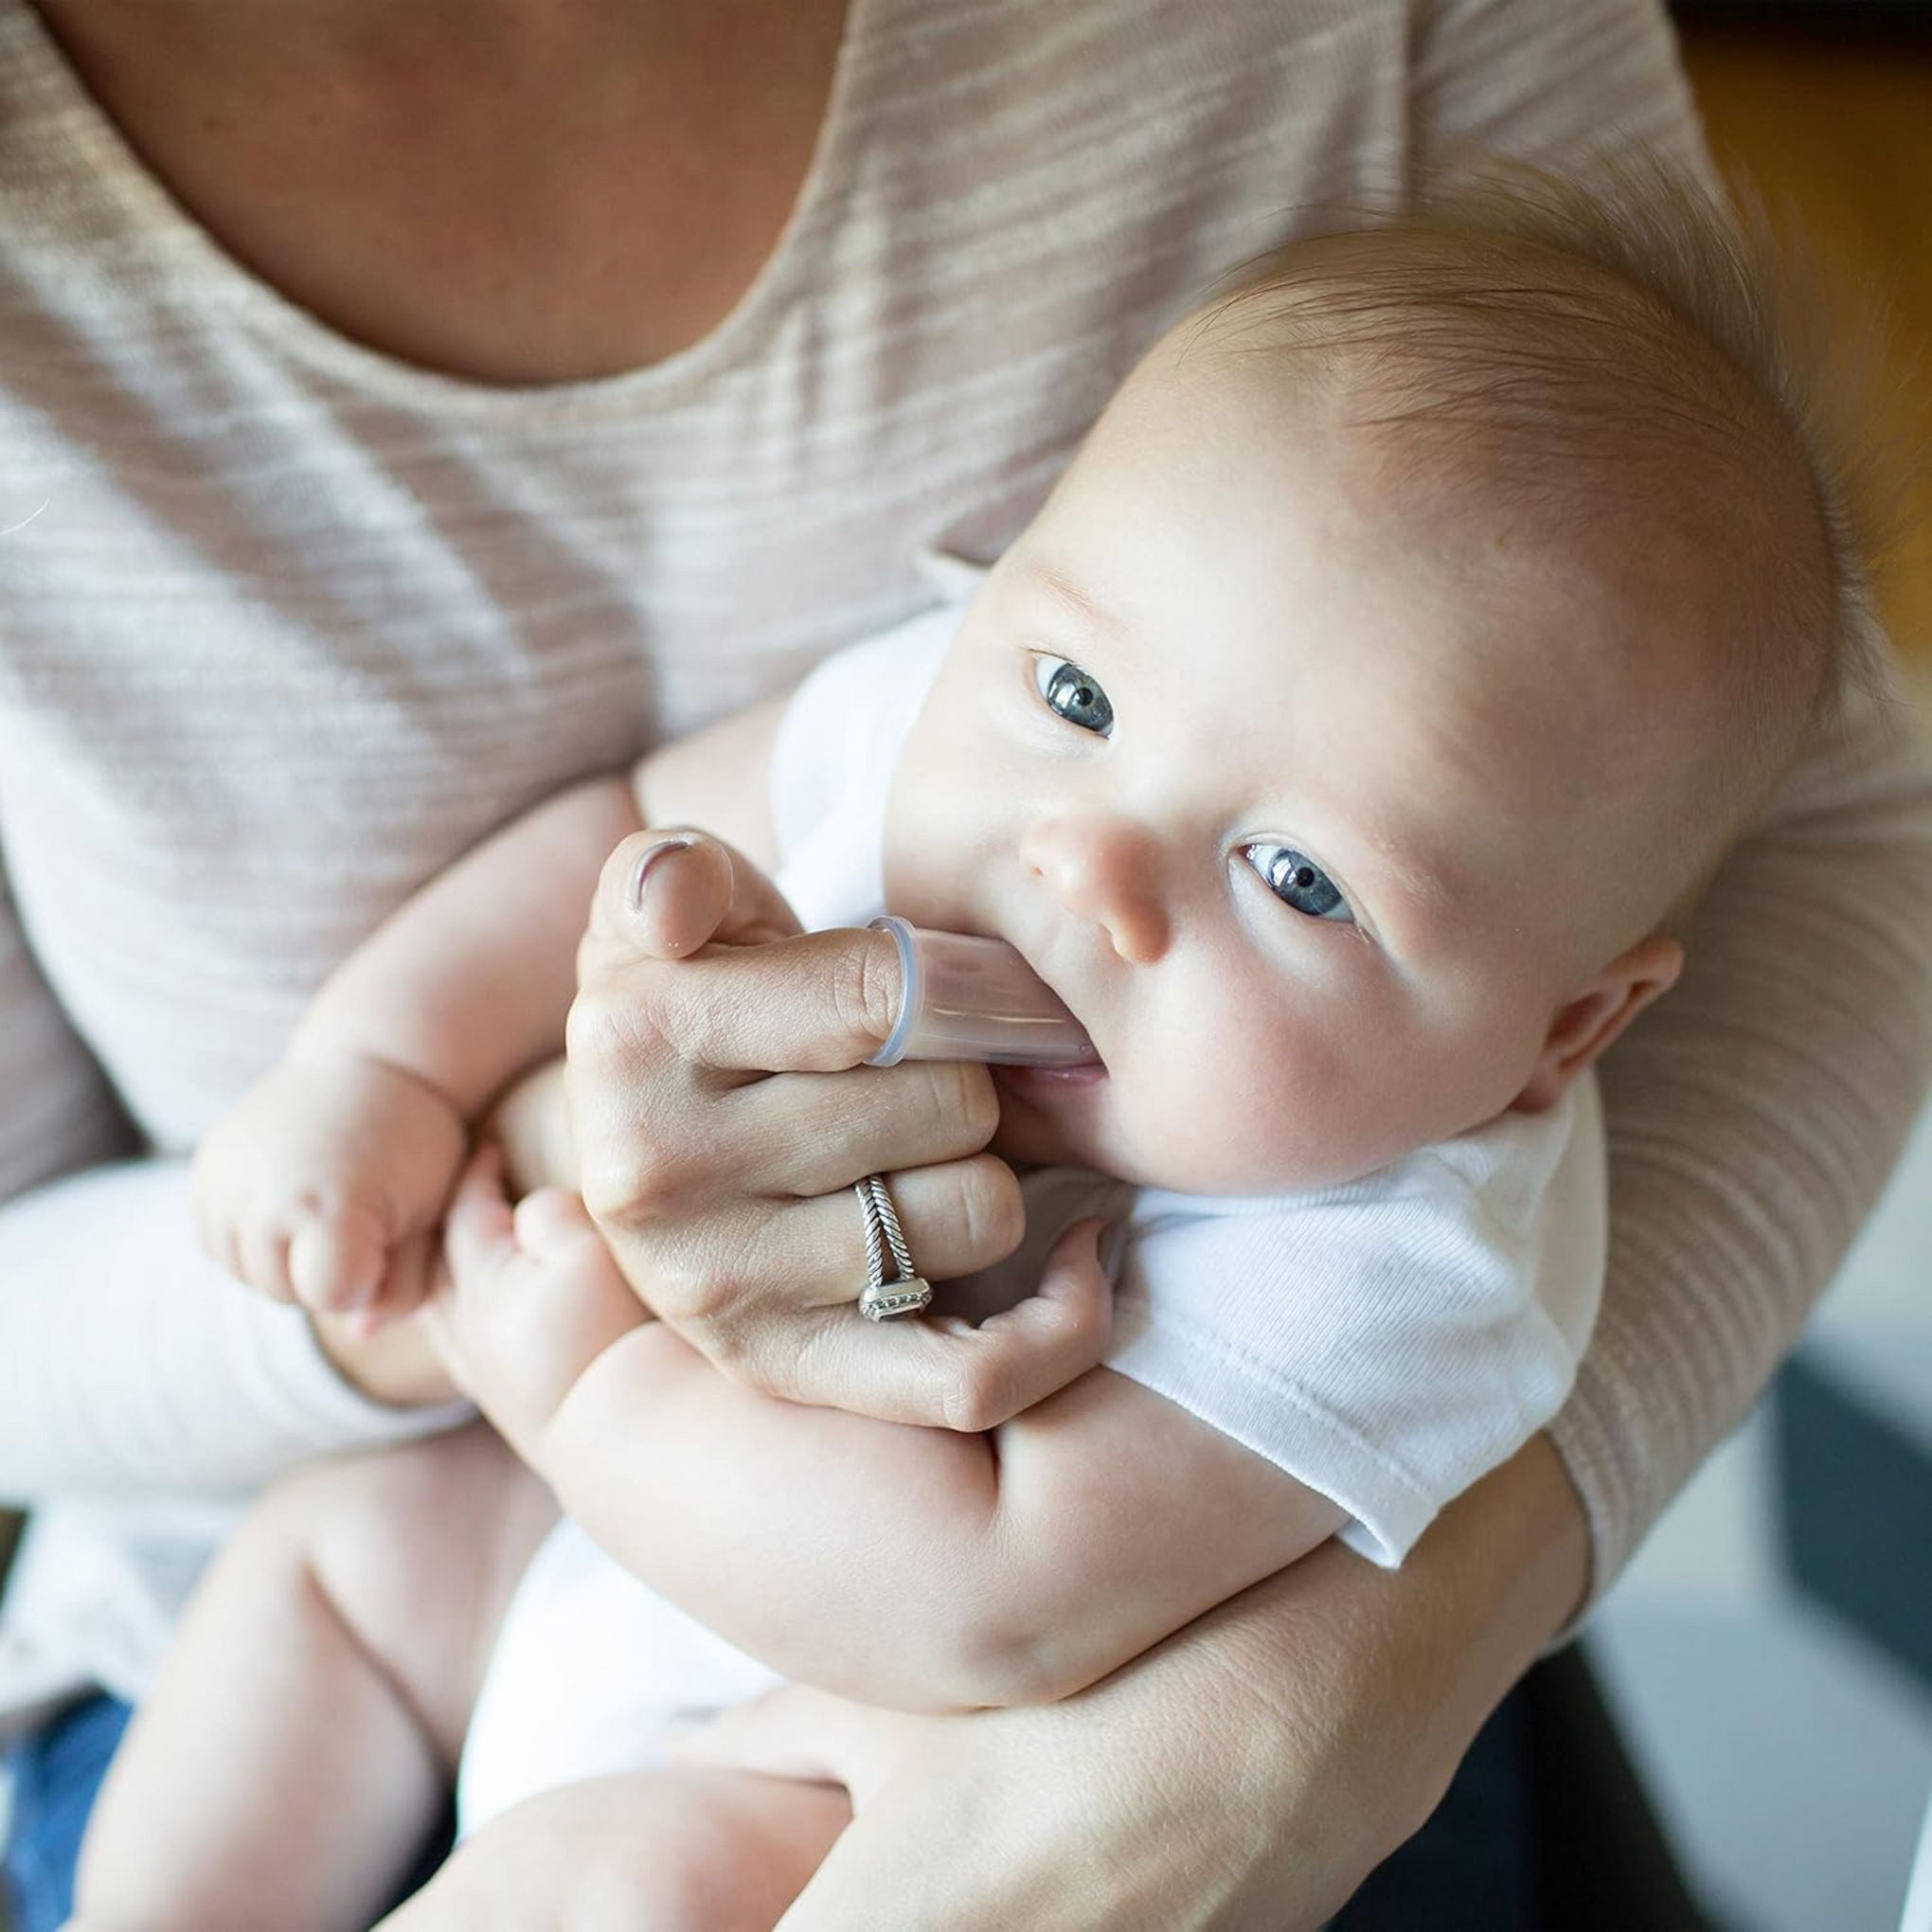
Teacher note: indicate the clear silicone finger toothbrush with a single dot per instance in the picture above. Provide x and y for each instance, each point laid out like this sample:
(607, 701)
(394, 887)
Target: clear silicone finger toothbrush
(968, 998)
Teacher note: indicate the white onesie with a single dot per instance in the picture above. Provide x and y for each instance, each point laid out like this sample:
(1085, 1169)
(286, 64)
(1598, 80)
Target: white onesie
(1386, 1342)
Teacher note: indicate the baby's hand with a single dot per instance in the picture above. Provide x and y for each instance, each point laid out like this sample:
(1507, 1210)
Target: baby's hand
(527, 1300)
(325, 1183)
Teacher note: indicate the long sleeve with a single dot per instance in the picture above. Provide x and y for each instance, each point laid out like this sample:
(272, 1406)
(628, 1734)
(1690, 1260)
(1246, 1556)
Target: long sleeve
(128, 1361)
(1753, 1118)
(56, 1110)
(140, 1392)
(131, 1363)
(133, 1372)
(139, 1387)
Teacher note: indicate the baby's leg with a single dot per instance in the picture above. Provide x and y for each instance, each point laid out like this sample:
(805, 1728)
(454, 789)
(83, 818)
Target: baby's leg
(695, 1850)
(304, 1729)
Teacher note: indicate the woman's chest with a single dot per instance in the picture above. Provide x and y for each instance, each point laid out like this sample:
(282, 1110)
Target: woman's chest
(556, 194)
(239, 726)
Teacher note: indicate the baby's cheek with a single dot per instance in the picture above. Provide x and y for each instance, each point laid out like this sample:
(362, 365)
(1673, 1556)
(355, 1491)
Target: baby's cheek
(1222, 1110)
(1293, 1100)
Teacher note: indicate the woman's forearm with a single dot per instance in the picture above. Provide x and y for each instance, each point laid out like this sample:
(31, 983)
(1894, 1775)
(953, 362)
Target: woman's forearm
(1753, 1119)
(1243, 1775)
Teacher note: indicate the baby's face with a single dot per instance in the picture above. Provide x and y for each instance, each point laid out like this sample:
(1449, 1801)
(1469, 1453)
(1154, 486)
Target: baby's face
(1273, 771)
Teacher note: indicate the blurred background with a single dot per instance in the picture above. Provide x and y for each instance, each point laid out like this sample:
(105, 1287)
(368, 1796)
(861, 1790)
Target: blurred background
(1769, 1656)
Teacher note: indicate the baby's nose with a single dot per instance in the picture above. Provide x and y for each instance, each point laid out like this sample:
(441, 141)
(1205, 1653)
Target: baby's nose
(1108, 870)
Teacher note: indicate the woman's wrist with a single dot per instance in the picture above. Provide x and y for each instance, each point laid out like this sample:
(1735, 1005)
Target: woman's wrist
(1513, 1552)
(1412, 1662)
(1495, 1578)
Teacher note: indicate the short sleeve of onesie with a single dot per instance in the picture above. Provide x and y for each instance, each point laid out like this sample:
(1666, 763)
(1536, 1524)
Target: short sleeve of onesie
(1386, 1342)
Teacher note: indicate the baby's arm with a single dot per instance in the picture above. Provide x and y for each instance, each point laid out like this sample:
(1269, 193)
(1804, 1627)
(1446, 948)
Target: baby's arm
(917, 1567)
(325, 1182)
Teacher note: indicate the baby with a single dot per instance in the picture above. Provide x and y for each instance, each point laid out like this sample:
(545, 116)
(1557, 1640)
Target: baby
(1345, 741)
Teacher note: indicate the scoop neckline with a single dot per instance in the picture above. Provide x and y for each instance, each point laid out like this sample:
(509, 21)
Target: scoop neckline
(179, 243)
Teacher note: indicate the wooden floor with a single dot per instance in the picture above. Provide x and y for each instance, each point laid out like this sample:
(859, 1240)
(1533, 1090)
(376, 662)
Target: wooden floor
(1836, 125)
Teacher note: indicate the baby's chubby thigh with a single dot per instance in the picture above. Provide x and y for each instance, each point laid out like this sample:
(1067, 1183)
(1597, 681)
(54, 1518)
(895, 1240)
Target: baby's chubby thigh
(418, 1549)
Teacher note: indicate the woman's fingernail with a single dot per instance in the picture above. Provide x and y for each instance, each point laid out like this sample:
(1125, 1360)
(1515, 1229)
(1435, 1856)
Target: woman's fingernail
(1113, 1248)
(634, 891)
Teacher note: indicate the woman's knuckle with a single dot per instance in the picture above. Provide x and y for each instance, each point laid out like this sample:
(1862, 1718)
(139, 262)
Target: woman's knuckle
(956, 1109)
(973, 1102)
(992, 1216)
(683, 1287)
(622, 1186)
(607, 1024)
(976, 1396)
(864, 993)
(586, 1025)
(637, 1175)
(607, 1192)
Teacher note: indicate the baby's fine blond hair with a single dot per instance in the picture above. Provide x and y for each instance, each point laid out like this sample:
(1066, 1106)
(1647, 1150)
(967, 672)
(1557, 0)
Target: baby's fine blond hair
(1630, 350)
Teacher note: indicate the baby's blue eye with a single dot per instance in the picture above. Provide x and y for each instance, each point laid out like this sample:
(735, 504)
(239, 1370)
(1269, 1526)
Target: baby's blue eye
(1074, 694)
(1295, 880)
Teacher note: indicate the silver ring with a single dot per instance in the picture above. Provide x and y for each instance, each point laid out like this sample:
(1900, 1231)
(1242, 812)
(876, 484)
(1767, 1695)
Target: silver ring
(906, 1294)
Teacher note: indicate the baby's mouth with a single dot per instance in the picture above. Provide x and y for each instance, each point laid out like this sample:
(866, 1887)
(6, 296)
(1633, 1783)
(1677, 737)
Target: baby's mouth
(1040, 1079)
(1069, 1056)
(972, 996)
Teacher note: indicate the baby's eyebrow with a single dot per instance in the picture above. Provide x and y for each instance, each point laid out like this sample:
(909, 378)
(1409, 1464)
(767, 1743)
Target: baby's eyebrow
(1062, 588)
(1420, 883)
(1422, 888)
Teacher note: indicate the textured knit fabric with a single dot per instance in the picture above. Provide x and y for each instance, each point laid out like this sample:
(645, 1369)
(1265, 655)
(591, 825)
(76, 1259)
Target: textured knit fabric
(286, 624)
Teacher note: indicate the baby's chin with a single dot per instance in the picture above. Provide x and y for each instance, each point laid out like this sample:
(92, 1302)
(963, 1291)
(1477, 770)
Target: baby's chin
(1067, 1117)
(1048, 1121)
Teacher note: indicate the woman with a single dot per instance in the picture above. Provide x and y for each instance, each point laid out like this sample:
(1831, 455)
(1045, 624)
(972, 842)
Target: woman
(432, 404)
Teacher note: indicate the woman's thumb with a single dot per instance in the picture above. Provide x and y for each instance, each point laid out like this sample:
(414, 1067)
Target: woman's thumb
(664, 894)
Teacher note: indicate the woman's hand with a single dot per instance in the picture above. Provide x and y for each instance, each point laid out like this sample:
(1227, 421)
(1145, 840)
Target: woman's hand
(722, 1111)
(1250, 1772)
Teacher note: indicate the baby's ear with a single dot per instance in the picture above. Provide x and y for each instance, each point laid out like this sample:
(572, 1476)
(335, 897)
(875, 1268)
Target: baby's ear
(1587, 1024)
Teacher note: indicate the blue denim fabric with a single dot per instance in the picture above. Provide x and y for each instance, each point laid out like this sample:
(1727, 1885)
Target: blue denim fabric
(55, 1775)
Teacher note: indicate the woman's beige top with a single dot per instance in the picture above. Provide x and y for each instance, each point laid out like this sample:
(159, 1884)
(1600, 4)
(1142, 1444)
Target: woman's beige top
(286, 624)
